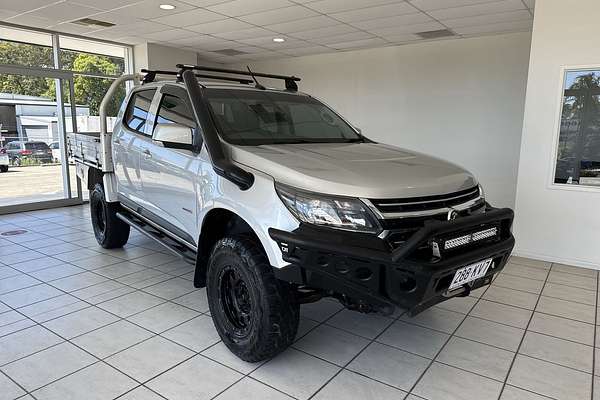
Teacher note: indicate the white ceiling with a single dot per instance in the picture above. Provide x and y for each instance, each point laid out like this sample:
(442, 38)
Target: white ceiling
(249, 26)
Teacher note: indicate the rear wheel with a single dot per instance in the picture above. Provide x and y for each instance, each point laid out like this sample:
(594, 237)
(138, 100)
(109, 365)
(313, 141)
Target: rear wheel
(255, 314)
(3, 168)
(110, 231)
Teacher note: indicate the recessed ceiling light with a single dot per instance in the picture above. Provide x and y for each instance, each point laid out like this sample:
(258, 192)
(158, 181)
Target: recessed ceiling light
(278, 40)
(167, 6)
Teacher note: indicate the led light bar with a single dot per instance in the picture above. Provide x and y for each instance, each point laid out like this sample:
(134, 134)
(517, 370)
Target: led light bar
(470, 238)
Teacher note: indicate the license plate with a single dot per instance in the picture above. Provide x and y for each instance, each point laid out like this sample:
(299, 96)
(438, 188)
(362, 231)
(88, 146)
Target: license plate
(470, 273)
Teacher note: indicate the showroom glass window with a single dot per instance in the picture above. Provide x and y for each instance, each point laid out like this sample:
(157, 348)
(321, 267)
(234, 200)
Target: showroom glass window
(95, 66)
(31, 100)
(578, 155)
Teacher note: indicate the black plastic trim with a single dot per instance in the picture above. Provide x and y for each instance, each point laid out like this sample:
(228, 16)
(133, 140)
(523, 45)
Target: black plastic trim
(367, 270)
(164, 225)
(172, 245)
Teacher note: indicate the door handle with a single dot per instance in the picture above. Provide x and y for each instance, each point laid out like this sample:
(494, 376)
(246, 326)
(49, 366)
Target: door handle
(147, 153)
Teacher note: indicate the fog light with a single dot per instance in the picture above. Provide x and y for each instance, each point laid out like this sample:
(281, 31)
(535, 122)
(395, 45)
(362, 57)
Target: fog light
(470, 238)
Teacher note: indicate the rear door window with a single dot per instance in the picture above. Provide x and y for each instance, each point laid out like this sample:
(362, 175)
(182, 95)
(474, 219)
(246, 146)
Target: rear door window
(136, 114)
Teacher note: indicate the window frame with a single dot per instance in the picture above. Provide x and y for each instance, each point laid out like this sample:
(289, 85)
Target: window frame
(160, 103)
(182, 94)
(131, 99)
(562, 76)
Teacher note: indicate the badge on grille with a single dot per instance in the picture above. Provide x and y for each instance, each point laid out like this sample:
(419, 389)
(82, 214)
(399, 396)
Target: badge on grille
(452, 214)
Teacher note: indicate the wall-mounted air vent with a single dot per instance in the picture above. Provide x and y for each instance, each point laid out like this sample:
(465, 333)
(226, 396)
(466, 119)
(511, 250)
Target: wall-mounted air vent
(436, 34)
(93, 22)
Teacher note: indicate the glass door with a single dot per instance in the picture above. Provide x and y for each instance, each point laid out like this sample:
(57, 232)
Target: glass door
(35, 114)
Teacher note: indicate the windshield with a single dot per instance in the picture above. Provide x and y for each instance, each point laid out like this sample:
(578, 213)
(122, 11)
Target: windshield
(251, 117)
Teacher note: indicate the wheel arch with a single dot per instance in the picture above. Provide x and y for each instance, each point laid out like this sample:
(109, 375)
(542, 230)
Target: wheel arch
(218, 223)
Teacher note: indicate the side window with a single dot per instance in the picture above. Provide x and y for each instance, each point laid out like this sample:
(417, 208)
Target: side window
(174, 110)
(137, 110)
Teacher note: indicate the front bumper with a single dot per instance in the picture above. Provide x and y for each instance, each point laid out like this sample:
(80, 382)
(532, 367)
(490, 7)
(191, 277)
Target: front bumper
(413, 275)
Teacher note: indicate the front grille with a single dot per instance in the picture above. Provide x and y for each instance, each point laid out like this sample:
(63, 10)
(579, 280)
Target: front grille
(425, 203)
(401, 229)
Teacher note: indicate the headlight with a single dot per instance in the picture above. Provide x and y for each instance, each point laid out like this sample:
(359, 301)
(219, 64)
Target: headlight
(325, 210)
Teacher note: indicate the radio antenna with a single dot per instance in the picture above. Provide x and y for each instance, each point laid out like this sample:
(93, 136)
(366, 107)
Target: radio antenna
(257, 84)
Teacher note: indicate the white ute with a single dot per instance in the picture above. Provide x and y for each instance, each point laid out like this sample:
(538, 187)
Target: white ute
(278, 201)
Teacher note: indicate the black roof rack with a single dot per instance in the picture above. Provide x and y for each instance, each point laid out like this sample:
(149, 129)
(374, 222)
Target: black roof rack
(151, 76)
(290, 81)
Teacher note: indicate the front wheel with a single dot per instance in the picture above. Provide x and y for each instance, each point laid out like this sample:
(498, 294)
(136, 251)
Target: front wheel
(255, 314)
(110, 231)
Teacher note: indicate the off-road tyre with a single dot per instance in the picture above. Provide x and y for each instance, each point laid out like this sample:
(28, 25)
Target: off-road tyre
(266, 320)
(110, 231)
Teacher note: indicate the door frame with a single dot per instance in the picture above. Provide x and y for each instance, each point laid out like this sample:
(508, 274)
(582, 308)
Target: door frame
(60, 76)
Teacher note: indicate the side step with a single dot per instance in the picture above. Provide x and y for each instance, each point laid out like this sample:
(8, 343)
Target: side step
(181, 250)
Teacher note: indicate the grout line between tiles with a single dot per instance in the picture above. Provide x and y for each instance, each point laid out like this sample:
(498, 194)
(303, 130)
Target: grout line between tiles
(512, 363)
(595, 339)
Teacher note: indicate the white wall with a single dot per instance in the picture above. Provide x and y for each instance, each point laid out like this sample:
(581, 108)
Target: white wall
(156, 56)
(461, 100)
(555, 225)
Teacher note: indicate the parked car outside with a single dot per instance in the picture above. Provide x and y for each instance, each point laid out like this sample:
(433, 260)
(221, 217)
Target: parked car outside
(3, 160)
(21, 151)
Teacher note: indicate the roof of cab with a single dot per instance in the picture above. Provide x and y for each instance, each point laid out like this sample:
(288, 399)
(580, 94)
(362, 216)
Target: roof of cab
(218, 85)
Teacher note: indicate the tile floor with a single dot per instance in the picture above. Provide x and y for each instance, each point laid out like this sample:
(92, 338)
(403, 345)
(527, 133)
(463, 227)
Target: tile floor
(81, 322)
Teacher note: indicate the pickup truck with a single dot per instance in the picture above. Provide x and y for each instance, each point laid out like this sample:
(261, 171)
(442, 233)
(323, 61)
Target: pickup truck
(278, 201)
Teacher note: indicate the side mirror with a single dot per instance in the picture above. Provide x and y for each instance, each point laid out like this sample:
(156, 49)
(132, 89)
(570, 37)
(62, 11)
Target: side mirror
(173, 135)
